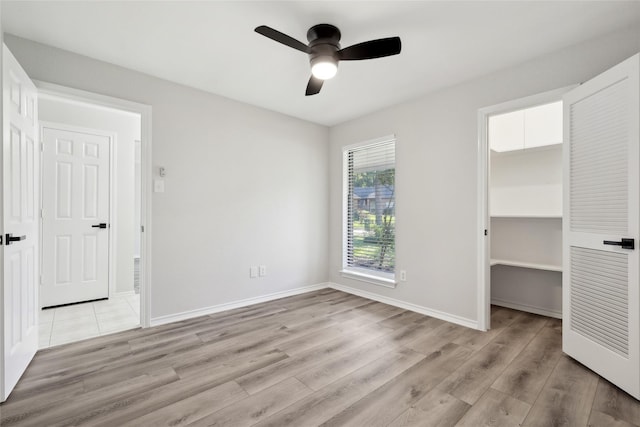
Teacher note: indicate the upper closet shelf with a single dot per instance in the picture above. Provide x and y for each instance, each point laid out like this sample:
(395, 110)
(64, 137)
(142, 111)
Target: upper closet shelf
(536, 266)
(550, 216)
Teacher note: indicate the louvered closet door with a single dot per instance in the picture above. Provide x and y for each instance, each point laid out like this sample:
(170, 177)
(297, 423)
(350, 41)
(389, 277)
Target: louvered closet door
(601, 327)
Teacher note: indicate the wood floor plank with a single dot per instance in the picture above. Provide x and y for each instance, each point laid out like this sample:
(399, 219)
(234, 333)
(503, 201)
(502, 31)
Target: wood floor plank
(372, 312)
(437, 338)
(325, 351)
(495, 409)
(567, 397)
(405, 318)
(317, 337)
(347, 362)
(191, 409)
(435, 409)
(475, 376)
(122, 410)
(501, 318)
(526, 375)
(57, 413)
(322, 405)
(384, 404)
(407, 334)
(220, 327)
(104, 372)
(257, 407)
(612, 401)
(331, 369)
(20, 406)
(598, 419)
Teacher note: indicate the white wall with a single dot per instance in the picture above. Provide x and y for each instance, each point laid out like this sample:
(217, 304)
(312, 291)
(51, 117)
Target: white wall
(244, 186)
(127, 129)
(436, 172)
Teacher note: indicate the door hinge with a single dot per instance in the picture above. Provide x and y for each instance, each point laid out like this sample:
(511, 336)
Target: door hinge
(41, 213)
(142, 228)
(41, 146)
(486, 232)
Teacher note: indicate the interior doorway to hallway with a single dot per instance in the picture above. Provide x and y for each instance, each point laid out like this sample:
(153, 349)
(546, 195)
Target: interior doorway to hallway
(90, 220)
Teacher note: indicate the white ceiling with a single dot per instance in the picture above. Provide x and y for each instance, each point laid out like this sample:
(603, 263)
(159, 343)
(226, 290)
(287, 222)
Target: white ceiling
(211, 45)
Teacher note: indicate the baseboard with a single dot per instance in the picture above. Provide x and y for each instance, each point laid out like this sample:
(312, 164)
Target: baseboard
(527, 308)
(123, 293)
(234, 304)
(463, 321)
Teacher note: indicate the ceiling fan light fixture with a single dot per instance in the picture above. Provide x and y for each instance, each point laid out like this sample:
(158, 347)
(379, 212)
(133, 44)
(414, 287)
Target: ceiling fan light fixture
(325, 52)
(324, 67)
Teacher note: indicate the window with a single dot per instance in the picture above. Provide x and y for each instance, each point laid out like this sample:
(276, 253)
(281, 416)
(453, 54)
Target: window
(369, 230)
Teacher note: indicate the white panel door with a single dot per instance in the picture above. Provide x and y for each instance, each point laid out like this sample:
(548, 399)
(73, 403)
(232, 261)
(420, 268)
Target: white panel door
(601, 299)
(20, 223)
(75, 212)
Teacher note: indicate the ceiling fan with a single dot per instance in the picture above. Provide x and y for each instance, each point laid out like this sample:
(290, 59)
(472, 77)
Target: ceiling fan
(324, 50)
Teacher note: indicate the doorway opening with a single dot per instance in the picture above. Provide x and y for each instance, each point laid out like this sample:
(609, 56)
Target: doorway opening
(94, 217)
(520, 206)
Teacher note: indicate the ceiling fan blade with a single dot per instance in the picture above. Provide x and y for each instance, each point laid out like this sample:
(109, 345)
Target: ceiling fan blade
(282, 38)
(314, 86)
(371, 49)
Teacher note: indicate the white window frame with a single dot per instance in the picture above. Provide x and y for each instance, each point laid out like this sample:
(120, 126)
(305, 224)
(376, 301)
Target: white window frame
(379, 278)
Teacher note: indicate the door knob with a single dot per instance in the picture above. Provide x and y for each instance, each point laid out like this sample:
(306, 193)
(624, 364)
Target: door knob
(101, 225)
(624, 243)
(10, 238)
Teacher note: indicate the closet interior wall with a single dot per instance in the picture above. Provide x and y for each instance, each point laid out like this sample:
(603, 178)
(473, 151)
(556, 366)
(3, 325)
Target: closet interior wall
(526, 229)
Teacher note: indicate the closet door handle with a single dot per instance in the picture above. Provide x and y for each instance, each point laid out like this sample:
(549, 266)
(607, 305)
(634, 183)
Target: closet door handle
(623, 243)
(101, 225)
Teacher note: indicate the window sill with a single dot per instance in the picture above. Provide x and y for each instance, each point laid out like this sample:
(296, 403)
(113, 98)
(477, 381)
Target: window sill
(387, 282)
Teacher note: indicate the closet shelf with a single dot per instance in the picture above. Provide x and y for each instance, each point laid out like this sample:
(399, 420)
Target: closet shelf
(523, 264)
(525, 216)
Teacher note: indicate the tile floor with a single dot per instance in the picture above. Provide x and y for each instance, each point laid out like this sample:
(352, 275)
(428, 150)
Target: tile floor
(81, 321)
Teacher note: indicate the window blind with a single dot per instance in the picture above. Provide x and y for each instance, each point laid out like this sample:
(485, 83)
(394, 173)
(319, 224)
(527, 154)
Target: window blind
(370, 222)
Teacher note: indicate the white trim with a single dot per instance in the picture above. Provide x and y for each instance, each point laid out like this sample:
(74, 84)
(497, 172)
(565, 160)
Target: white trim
(370, 142)
(145, 113)
(452, 318)
(527, 308)
(176, 317)
(124, 294)
(113, 214)
(484, 227)
(484, 167)
(369, 277)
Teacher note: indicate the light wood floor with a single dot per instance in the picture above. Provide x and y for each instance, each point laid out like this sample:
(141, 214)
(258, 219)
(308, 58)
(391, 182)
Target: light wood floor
(322, 358)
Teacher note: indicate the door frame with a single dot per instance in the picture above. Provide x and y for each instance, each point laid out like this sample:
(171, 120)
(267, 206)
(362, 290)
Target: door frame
(484, 169)
(112, 262)
(146, 173)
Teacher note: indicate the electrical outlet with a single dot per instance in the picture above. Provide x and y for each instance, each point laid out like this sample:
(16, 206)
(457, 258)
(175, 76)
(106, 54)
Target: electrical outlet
(253, 272)
(263, 270)
(403, 275)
